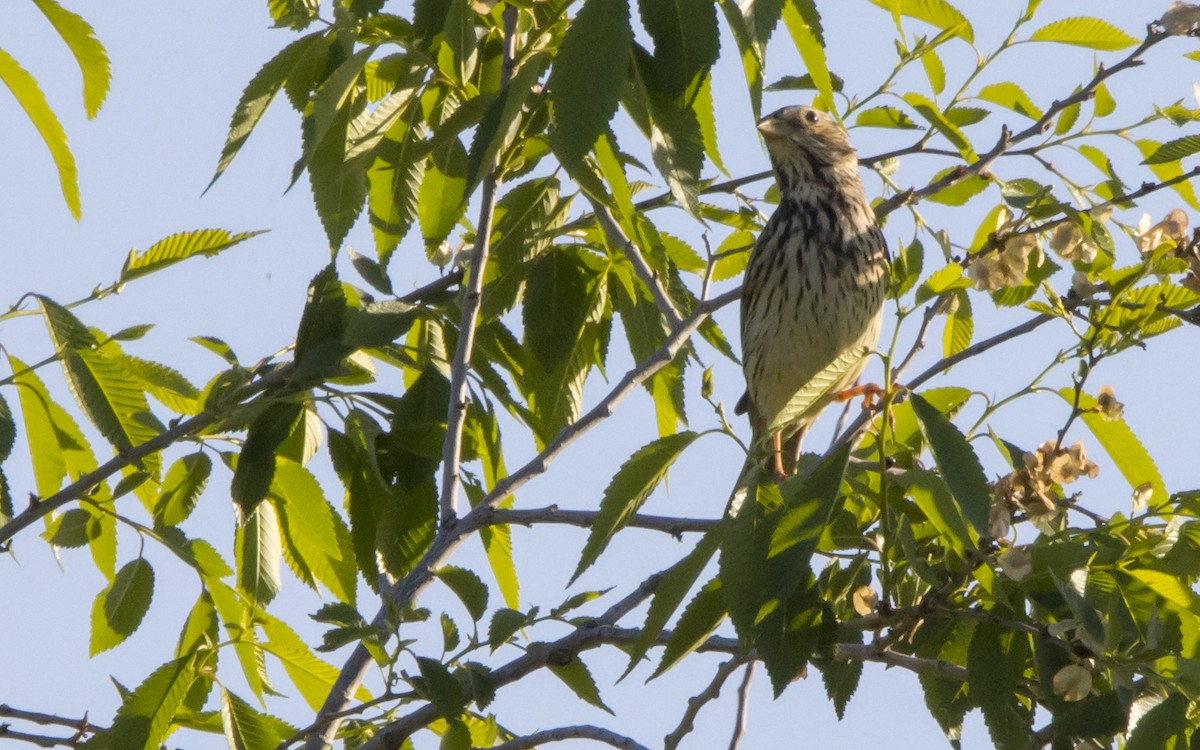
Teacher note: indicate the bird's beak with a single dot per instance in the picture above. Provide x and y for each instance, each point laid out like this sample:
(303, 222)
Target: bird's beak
(773, 129)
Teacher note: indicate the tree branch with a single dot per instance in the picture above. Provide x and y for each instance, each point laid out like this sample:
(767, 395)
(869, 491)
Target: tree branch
(456, 410)
(710, 693)
(582, 732)
(617, 237)
(674, 526)
(743, 709)
(450, 536)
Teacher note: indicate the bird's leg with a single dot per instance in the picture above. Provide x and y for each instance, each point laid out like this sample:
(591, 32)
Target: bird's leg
(868, 391)
(777, 452)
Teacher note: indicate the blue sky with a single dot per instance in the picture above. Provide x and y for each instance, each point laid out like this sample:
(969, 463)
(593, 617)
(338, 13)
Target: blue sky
(177, 72)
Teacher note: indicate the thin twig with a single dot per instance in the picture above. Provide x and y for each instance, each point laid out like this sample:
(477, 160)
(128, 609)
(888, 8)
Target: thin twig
(472, 297)
(672, 525)
(617, 237)
(582, 732)
(861, 652)
(743, 709)
(710, 693)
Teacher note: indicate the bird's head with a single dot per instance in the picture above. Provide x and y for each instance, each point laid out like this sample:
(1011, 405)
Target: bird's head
(803, 141)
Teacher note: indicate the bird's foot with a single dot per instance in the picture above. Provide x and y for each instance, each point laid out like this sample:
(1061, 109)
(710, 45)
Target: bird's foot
(868, 391)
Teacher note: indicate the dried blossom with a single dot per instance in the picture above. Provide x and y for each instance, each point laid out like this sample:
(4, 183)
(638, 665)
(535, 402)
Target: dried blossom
(1108, 405)
(1172, 229)
(1073, 683)
(1068, 243)
(1180, 19)
(1082, 286)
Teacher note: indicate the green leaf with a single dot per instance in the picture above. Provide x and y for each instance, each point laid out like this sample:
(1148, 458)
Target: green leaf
(1174, 150)
(1081, 31)
(933, 497)
(588, 76)
(200, 629)
(467, 587)
(57, 447)
(685, 40)
(8, 430)
(1158, 725)
(960, 326)
(628, 490)
(74, 528)
(818, 391)
(316, 540)
(144, 719)
(1122, 446)
(312, 677)
(937, 13)
(181, 488)
(118, 609)
(100, 382)
(1011, 96)
(257, 549)
(165, 384)
(934, 116)
(89, 54)
(443, 690)
(394, 180)
(442, 199)
(958, 463)
(576, 676)
(28, 94)
(247, 729)
(1169, 170)
(992, 661)
(804, 24)
(180, 246)
(338, 176)
(705, 111)
(258, 94)
(961, 191)
(256, 462)
(504, 624)
(841, 680)
(676, 582)
(700, 618)
(885, 117)
(1169, 587)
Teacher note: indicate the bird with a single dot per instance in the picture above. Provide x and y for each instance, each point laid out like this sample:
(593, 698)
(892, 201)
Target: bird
(815, 281)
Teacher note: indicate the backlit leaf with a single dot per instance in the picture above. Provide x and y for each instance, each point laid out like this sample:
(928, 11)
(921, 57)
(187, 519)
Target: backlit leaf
(180, 246)
(120, 607)
(1093, 33)
(88, 52)
(144, 718)
(958, 463)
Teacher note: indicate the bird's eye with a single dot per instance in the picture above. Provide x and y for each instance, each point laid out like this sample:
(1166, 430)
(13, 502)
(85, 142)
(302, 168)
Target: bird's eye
(812, 117)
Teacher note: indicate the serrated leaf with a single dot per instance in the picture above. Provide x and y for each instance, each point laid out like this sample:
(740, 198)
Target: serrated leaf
(144, 719)
(74, 528)
(312, 677)
(578, 677)
(1169, 587)
(961, 191)
(467, 587)
(937, 13)
(817, 391)
(960, 326)
(841, 681)
(941, 122)
(1158, 725)
(803, 23)
(685, 40)
(256, 462)
(1174, 150)
(441, 200)
(1122, 446)
(676, 582)
(257, 549)
(57, 447)
(700, 618)
(257, 96)
(958, 463)
(394, 180)
(993, 683)
(118, 609)
(443, 690)
(247, 729)
(165, 384)
(88, 52)
(178, 247)
(181, 488)
(8, 430)
(885, 117)
(1011, 96)
(705, 111)
(314, 534)
(935, 71)
(588, 75)
(628, 490)
(28, 94)
(1082, 31)
(504, 624)
(933, 497)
